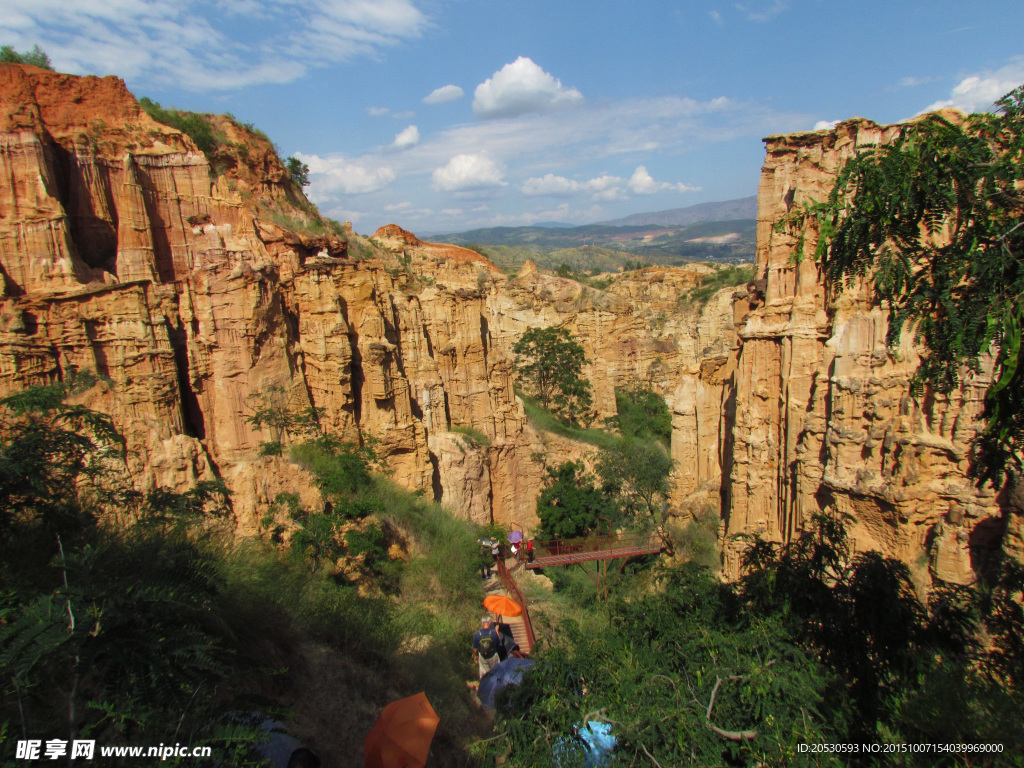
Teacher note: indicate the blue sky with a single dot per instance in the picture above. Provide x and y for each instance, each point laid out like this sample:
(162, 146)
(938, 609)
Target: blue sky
(442, 115)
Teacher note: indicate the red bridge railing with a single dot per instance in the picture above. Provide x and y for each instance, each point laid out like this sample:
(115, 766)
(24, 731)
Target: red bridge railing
(510, 584)
(595, 544)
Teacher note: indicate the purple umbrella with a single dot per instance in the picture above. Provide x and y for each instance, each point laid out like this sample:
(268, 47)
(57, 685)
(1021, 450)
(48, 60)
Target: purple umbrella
(515, 536)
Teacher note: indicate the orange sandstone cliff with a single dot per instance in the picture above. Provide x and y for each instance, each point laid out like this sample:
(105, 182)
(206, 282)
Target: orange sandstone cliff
(193, 283)
(814, 412)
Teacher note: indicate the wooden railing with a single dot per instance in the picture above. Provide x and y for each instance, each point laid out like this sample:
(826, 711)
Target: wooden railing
(510, 584)
(560, 547)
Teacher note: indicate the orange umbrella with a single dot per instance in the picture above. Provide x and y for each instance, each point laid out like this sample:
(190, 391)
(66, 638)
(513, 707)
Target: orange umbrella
(501, 605)
(402, 734)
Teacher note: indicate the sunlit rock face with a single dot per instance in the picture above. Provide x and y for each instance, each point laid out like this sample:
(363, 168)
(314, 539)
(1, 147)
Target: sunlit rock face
(817, 412)
(195, 283)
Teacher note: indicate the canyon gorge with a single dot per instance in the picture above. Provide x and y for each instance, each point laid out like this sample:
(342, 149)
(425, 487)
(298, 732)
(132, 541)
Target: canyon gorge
(196, 283)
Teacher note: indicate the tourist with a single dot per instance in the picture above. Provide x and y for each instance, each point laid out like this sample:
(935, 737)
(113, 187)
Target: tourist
(486, 646)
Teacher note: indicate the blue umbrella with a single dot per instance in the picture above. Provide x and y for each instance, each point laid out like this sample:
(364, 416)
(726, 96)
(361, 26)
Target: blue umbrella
(595, 750)
(508, 672)
(515, 536)
(599, 740)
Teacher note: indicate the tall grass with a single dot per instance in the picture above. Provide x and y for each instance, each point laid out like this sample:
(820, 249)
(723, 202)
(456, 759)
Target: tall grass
(444, 569)
(546, 422)
(270, 597)
(474, 436)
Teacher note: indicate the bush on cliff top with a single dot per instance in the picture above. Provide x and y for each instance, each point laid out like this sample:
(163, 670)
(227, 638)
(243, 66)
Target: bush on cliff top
(36, 57)
(195, 125)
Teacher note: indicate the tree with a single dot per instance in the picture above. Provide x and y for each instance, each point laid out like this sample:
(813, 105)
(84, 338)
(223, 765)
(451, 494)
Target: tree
(550, 364)
(299, 172)
(637, 470)
(572, 505)
(105, 628)
(36, 57)
(273, 409)
(642, 413)
(934, 219)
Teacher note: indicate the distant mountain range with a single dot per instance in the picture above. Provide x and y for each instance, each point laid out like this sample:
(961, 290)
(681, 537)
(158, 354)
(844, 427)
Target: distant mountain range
(607, 248)
(744, 208)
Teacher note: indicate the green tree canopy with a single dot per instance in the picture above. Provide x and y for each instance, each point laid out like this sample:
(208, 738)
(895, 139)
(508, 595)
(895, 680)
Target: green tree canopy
(637, 471)
(934, 218)
(571, 505)
(642, 413)
(550, 364)
(299, 172)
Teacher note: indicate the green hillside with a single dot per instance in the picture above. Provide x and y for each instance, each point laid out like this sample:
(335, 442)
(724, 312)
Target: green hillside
(608, 248)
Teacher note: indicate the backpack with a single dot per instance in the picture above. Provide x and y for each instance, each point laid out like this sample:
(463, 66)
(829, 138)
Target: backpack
(487, 645)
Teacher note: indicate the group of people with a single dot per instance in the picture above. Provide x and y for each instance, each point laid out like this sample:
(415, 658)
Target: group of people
(492, 644)
(497, 553)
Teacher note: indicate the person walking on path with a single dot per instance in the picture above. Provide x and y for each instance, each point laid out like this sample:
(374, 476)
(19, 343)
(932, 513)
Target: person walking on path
(485, 561)
(496, 550)
(487, 646)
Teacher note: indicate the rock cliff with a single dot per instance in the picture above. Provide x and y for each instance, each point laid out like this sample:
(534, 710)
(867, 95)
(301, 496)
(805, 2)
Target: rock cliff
(813, 411)
(195, 282)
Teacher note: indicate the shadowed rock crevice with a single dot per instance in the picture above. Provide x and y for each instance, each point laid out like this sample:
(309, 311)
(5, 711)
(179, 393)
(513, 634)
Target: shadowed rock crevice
(191, 409)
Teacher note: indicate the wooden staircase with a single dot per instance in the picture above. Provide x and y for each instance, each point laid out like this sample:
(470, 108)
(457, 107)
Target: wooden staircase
(522, 629)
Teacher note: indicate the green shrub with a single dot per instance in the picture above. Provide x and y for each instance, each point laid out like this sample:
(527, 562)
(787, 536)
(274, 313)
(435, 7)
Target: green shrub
(298, 171)
(697, 541)
(643, 414)
(36, 57)
(195, 125)
(712, 284)
(475, 437)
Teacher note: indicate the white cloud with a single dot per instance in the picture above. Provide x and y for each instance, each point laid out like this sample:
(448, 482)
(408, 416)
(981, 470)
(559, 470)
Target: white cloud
(329, 176)
(825, 125)
(549, 185)
(443, 94)
(377, 111)
(642, 183)
(913, 82)
(763, 10)
(180, 44)
(408, 137)
(398, 206)
(522, 87)
(978, 93)
(604, 187)
(716, 17)
(467, 172)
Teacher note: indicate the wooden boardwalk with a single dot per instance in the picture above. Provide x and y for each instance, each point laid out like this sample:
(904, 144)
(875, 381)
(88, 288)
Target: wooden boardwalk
(565, 552)
(522, 629)
(571, 551)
